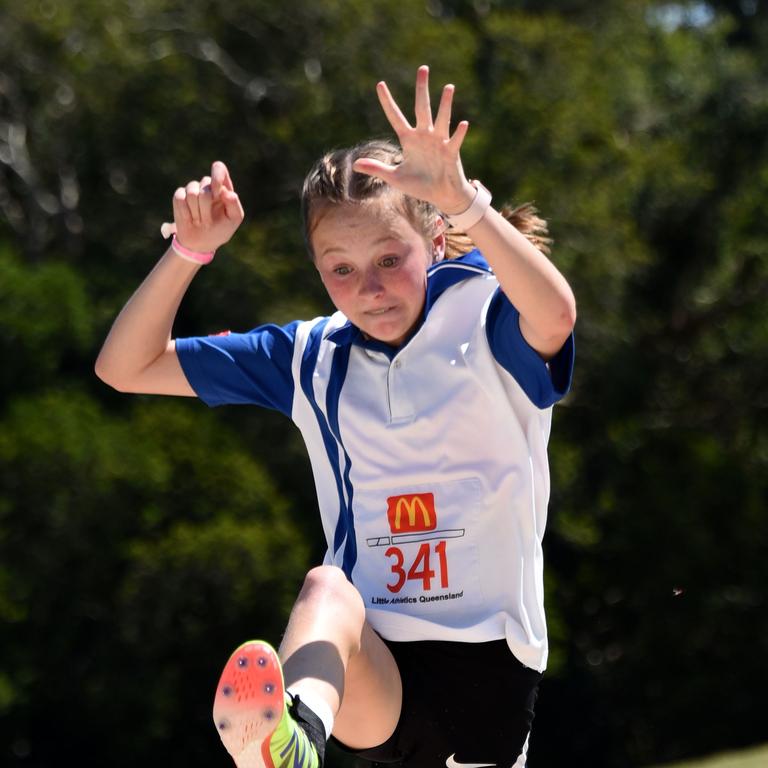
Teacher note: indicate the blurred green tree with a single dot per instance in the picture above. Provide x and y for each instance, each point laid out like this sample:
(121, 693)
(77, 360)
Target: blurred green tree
(135, 533)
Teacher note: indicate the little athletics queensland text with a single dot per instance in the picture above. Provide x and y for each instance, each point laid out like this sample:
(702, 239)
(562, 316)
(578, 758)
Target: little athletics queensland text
(420, 599)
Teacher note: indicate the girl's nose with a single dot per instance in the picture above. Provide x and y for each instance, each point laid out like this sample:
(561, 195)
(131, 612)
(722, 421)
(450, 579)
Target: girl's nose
(371, 284)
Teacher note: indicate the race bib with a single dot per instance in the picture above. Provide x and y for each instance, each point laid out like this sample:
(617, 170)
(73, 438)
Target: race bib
(418, 548)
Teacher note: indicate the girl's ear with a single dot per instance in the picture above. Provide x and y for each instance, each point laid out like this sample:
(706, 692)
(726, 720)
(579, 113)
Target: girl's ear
(438, 241)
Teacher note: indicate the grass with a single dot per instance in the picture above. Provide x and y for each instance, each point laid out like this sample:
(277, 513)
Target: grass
(755, 757)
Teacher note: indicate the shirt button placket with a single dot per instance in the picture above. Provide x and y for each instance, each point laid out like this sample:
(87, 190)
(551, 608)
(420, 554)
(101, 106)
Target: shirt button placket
(396, 403)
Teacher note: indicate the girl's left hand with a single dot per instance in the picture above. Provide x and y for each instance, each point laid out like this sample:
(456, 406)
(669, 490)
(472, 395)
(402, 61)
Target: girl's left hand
(431, 166)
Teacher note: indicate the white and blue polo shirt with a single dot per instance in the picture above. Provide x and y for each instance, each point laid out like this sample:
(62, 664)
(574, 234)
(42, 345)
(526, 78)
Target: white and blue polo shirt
(429, 461)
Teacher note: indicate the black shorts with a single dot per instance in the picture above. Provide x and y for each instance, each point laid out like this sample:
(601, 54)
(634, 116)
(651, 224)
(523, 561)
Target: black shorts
(470, 701)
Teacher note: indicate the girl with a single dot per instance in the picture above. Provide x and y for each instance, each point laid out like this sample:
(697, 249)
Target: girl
(425, 403)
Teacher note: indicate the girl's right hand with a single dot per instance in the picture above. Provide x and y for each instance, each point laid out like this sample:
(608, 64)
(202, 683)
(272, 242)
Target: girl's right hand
(207, 212)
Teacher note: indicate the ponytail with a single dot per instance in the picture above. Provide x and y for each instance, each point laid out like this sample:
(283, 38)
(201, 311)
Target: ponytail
(525, 218)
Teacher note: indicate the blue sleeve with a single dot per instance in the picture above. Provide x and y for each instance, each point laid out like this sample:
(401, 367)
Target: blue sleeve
(237, 368)
(544, 383)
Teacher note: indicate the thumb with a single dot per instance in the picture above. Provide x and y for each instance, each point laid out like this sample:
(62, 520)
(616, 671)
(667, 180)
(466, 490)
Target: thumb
(220, 178)
(371, 167)
(232, 206)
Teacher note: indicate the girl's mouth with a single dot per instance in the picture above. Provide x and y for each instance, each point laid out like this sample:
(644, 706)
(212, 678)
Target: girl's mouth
(376, 312)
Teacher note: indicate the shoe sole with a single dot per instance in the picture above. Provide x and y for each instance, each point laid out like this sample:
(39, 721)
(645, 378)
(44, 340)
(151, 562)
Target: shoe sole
(249, 703)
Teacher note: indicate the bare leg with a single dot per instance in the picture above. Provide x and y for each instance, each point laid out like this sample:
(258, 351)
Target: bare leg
(329, 648)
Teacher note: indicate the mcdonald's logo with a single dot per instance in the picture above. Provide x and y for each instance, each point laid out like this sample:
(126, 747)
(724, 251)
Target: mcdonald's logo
(411, 512)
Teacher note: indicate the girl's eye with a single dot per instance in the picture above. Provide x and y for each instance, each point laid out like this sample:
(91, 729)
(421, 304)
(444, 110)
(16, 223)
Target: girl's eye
(388, 261)
(341, 270)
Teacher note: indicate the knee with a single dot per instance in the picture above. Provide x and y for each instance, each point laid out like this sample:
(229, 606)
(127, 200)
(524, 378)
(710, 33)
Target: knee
(328, 586)
(328, 580)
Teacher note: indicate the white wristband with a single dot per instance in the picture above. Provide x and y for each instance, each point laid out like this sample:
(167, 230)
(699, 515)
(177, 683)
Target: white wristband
(477, 209)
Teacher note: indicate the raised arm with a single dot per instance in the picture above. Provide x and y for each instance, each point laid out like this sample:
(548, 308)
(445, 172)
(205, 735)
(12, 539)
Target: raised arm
(139, 354)
(431, 170)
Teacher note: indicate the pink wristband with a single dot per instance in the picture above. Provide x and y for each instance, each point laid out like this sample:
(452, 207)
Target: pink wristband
(195, 256)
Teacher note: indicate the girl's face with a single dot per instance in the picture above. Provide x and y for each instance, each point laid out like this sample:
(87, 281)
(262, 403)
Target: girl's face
(373, 264)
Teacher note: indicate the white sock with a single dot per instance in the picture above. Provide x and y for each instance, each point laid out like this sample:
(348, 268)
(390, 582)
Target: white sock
(316, 703)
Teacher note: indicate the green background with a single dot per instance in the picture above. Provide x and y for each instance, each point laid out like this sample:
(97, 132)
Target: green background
(142, 539)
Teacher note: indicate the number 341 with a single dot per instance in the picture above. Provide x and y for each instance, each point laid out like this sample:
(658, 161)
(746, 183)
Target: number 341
(420, 569)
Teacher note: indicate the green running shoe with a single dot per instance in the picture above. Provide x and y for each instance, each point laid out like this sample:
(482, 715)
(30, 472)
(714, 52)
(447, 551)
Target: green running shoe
(254, 720)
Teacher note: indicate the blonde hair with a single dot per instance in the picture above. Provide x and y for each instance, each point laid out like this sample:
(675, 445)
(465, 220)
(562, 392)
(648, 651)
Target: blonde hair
(331, 181)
